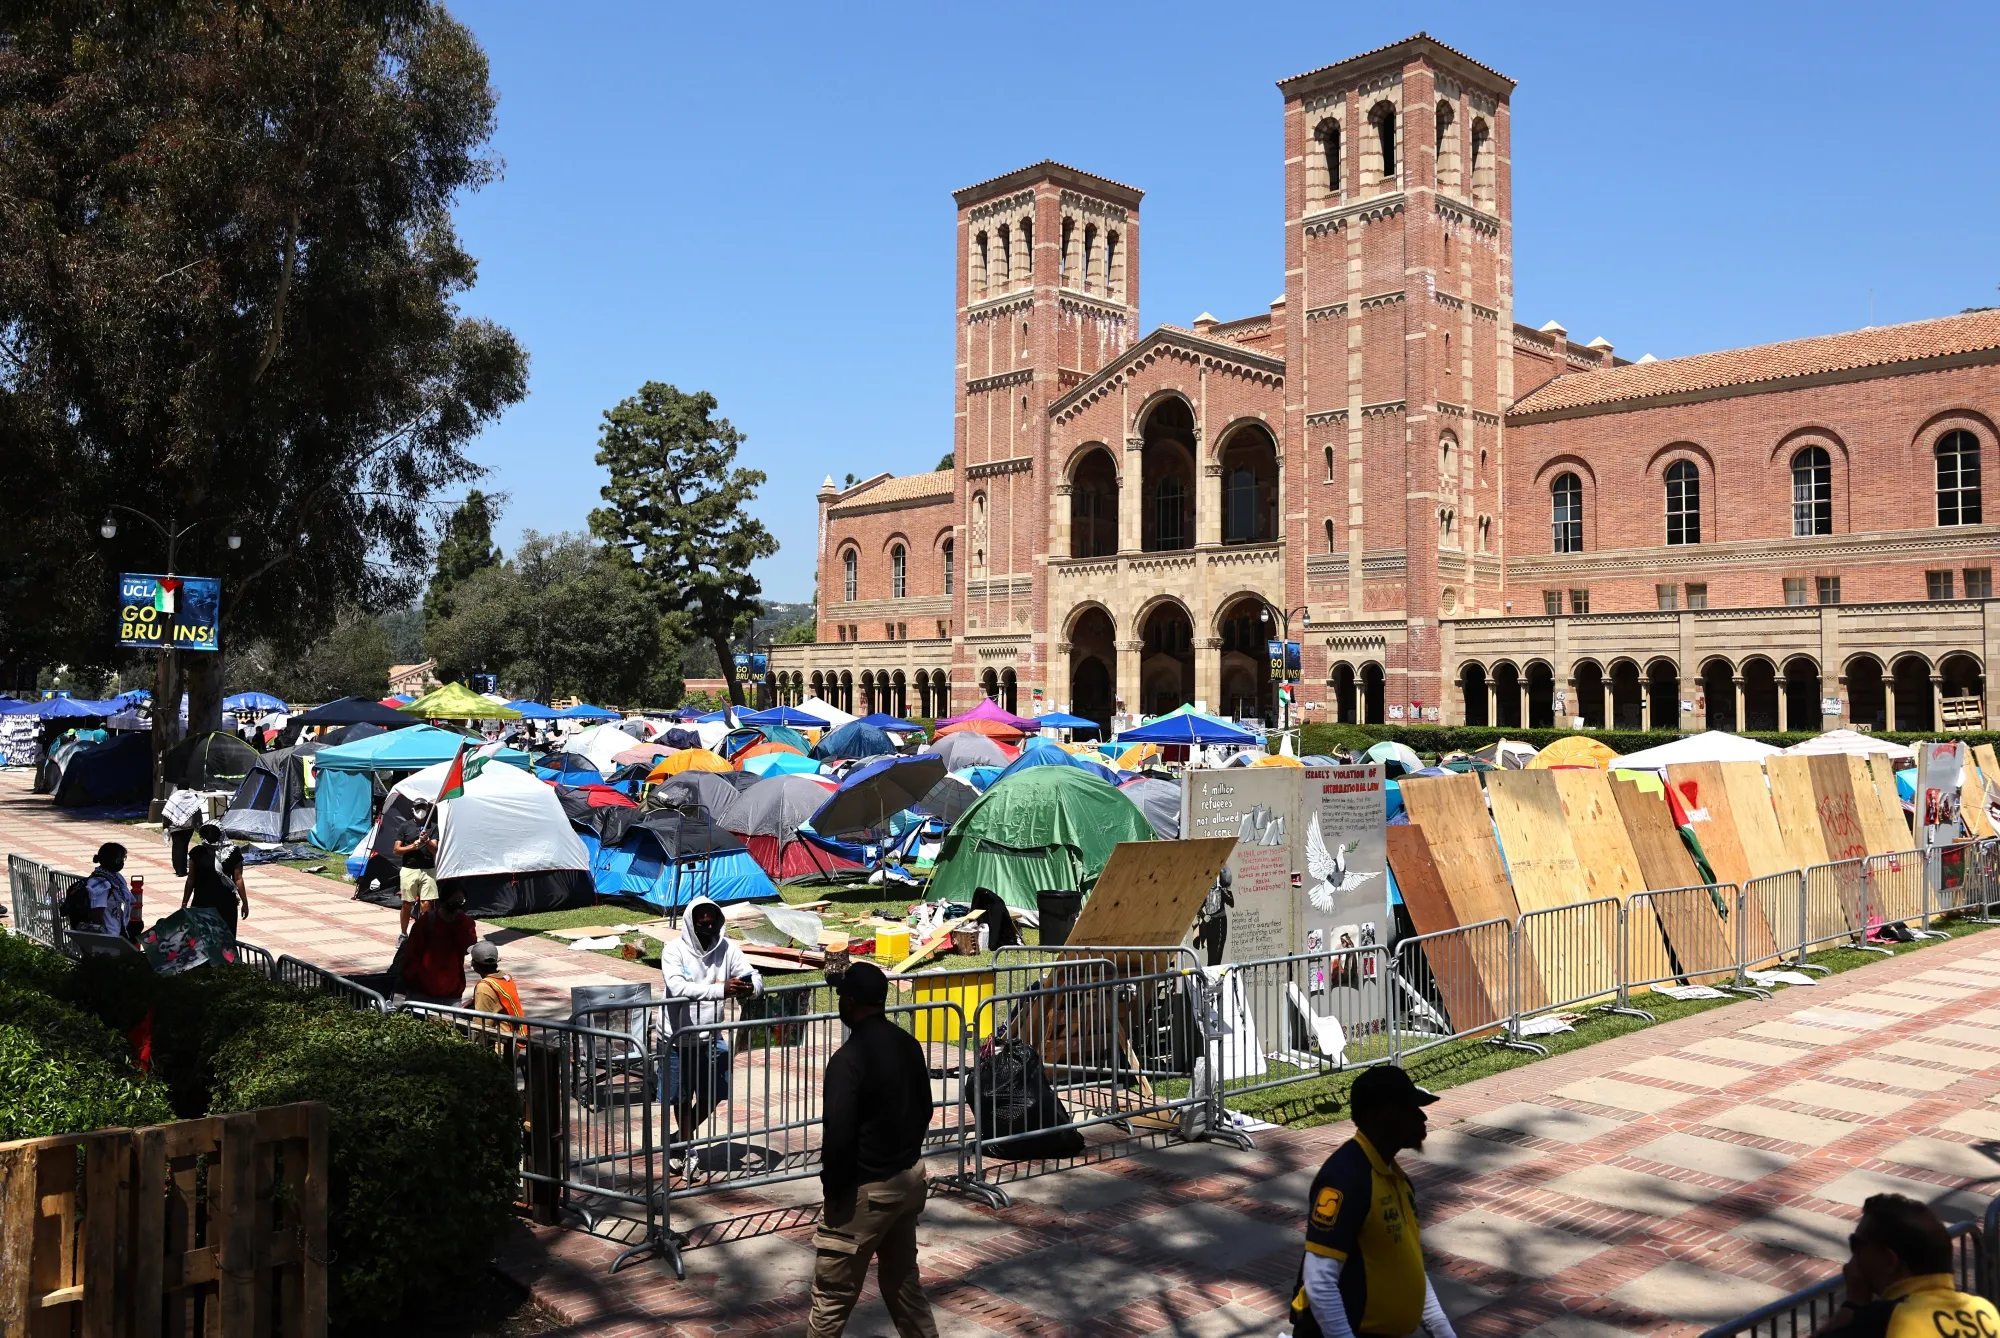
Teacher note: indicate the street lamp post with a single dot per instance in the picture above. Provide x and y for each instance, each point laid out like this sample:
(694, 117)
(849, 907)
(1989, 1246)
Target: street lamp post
(1284, 644)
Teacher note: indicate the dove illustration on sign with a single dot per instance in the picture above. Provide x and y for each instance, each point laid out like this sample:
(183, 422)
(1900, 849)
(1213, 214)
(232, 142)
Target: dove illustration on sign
(1328, 867)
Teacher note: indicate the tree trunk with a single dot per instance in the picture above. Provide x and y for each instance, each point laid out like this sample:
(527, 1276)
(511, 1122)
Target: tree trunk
(727, 659)
(203, 672)
(166, 721)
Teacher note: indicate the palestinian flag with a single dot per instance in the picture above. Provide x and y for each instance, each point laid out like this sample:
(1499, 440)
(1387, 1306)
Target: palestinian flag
(165, 591)
(454, 778)
(1683, 801)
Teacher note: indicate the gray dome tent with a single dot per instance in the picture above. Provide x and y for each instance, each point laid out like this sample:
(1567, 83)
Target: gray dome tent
(271, 804)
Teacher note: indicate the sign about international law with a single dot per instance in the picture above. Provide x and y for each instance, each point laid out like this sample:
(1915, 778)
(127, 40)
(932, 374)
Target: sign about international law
(169, 612)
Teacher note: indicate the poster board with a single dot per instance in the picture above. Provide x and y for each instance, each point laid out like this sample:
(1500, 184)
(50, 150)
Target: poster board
(1796, 808)
(1259, 807)
(1470, 972)
(1712, 817)
(1343, 899)
(1757, 831)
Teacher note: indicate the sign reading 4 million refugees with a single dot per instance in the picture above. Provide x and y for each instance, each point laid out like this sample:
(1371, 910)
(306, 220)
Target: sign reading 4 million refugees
(169, 612)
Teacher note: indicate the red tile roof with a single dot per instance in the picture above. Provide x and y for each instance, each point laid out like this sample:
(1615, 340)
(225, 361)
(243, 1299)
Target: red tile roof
(908, 488)
(1880, 346)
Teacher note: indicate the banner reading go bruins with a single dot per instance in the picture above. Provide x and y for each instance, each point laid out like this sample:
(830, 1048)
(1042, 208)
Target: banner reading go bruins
(169, 612)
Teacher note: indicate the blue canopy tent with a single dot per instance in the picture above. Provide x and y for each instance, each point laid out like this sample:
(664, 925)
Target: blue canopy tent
(785, 715)
(1189, 728)
(70, 708)
(1064, 720)
(253, 701)
(345, 776)
(889, 724)
(856, 738)
(1048, 753)
(585, 711)
(535, 710)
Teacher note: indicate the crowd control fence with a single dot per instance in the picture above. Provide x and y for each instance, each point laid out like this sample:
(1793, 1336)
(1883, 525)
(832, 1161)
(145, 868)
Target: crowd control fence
(1807, 1310)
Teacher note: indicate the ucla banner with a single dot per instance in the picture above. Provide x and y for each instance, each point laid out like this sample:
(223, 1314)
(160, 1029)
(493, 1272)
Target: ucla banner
(169, 612)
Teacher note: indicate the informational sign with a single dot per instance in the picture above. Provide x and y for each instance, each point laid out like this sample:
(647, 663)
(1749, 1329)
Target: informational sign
(742, 660)
(1829, 706)
(1259, 806)
(169, 612)
(759, 665)
(1344, 899)
(1940, 769)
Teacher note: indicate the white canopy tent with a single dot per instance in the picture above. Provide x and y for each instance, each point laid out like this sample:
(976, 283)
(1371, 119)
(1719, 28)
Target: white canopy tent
(833, 715)
(1711, 746)
(1851, 741)
(506, 822)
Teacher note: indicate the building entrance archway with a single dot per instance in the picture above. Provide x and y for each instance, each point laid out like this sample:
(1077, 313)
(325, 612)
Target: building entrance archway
(1093, 664)
(1589, 704)
(1247, 689)
(1166, 669)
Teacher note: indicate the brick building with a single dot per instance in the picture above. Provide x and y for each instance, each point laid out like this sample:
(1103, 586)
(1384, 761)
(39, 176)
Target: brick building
(1463, 519)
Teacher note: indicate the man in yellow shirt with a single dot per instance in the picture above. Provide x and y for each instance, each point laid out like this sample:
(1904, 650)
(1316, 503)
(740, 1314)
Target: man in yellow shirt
(1899, 1281)
(1363, 1271)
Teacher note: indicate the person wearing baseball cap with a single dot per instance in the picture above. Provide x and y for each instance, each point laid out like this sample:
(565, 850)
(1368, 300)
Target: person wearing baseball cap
(877, 1105)
(1363, 1271)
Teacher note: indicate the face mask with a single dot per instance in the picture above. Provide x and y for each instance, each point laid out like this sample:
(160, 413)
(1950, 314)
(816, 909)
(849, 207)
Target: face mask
(706, 932)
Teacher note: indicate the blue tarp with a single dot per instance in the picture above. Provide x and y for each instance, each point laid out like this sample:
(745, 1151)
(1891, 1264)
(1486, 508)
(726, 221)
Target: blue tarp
(639, 866)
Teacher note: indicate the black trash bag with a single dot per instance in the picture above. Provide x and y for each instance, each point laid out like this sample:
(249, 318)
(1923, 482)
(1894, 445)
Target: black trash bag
(1011, 1095)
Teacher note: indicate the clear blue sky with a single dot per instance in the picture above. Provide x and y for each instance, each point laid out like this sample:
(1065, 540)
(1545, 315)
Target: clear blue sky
(755, 199)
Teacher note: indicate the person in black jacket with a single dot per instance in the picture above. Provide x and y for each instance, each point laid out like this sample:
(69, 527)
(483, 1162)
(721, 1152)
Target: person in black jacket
(877, 1105)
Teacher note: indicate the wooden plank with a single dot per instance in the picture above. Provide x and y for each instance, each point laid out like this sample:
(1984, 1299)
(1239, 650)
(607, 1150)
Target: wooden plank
(1972, 800)
(1838, 810)
(149, 1230)
(313, 1220)
(1895, 821)
(1798, 811)
(1572, 953)
(1664, 860)
(1452, 812)
(1470, 970)
(20, 1206)
(1757, 830)
(1609, 864)
(1419, 880)
(1712, 816)
(1701, 939)
(237, 1236)
(1149, 892)
(1875, 833)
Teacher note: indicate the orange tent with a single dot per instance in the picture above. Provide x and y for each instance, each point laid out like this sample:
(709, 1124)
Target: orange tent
(767, 746)
(688, 759)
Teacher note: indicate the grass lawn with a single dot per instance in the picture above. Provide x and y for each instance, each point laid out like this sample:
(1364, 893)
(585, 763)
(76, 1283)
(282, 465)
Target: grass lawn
(1324, 1100)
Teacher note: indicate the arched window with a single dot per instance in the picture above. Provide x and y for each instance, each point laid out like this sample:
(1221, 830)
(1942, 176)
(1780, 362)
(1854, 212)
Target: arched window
(850, 573)
(1444, 120)
(1448, 456)
(899, 567)
(1063, 267)
(1683, 503)
(1114, 285)
(948, 572)
(1003, 272)
(1169, 508)
(1447, 147)
(1090, 282)
(1329, 464)
(1328, 136)
(1958, 479)
(1025, 253)
(1383, 118)
(1329, 536)
(1482, 161)
(1566, 513)
(1812, 492)
(1240, 515)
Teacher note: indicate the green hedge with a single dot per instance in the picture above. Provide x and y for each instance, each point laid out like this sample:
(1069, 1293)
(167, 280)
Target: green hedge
(61, 1069)
(426, 1145)
(1433, 740)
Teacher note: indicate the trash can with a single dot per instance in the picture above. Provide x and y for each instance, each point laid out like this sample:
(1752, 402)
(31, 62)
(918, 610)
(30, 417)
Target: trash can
(1057, 908)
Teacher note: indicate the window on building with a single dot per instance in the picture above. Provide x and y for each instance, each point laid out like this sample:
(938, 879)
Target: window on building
(1447, 526)
(1445, 116)
(1979, 582)
(1329, 535)
(1795, 590)
(1240, 512)
(1328, 136)
(1579, 601)
(1937, 585)
(1383, 118)
(949, 573)
(1114, 287)
(1065, 274)
(1552, 602)
(1003, 260)
(1812, 492)
(1482, 161)
(843, 631)
(1566, 513)
(1697, 594)
(1448, 450)
(899, 569)
(1668, 596)
(980, 272)
(1169, 503)
(1828, 589)
(1683, 503)
(888, 631)
(902, 631)
(850, 575)
(1958, 479)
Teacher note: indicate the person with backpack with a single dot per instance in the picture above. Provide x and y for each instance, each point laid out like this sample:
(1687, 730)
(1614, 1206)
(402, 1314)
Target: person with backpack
(215, 877)
(102, 903)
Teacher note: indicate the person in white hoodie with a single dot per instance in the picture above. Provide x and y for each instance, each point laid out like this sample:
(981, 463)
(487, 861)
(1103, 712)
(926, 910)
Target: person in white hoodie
(701, 969)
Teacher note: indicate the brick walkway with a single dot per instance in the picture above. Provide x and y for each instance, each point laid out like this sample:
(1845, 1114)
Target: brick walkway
(1651, 1184)
(290, 912)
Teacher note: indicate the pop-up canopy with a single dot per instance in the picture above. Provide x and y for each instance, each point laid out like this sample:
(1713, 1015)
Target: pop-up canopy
(1185, 725)
(455, 701)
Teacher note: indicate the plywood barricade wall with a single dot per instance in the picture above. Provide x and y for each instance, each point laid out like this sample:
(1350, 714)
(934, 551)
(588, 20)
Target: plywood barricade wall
(1703, 947)
(1895, 887)
(1459, 833)
(1609, 864)
(1712, 812)
(1471, 975)
(1576, 952)
(1895, 829)
(1797, 809)
(1972, 798)
(1757, 830)
(1846, 839)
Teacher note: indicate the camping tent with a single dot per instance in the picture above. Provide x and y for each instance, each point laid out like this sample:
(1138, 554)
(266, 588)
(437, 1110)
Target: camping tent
(345, 792)
(1039, 752)
(687, 759)
(1505, 754)
(768, 817)
(118, 770)
(668, 859)
(272, 803)
(505, 842)
(211, 761)
(1849, 741)
(1397, 758)
(599, 743)
(713, 793)
(970, 750)
(1575, 750)
(350, 711)
(780, 761)
(1041, 829)
(856, 738)
(1712, 746)
(1160, 801)
(455, 701)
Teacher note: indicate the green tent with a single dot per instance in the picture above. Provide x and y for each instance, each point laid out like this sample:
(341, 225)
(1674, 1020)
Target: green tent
(455, 701)
(1045, 828)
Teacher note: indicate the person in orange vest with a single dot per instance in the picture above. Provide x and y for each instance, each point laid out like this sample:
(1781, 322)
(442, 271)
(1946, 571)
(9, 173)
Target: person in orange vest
(494, 992)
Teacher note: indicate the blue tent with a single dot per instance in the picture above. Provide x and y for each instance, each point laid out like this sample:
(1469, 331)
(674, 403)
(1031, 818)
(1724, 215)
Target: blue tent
(1063, 720)
(890, 723)
(1047, 753)
(252, 701)
(345, 776)
(535, 710)
(785, 715)
(856, 738)
(1188, 727)
(70, 708)
(117, 771)
(641, 866)
(568, 769)
(585, 711)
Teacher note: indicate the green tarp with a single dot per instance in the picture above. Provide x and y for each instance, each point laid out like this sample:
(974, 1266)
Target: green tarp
(1042, 829)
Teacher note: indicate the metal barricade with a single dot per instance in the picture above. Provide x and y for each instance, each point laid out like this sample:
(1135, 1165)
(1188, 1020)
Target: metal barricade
(1570, 956)
(1019, 965)
(1290, 1019)
(37, 909)
(1687, 936)
(1781, 899)
(257, 959)
(1894, 892)
(1836, 898)
(1456, 984)
(1958, 878)
(589, 1152)
(1806, 1310)
(318, 980)
(1120, 1055)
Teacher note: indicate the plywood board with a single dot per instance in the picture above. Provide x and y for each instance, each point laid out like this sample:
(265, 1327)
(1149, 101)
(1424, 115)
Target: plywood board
(1664, 860)
(1693, 926)
(1706, 798)
(1895, 821)
(1989, 762)
(1834, 800)
(1575, 953)
(1879, 836)
(1798, 812)
(1609, 864)
(1469, 970)
(1452, 812)
(1757, 831)
(1972, 800)
(1149, 892)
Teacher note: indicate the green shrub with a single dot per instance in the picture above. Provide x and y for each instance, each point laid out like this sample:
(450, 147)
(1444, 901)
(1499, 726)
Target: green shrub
(62, 1071)
(27, 965)
(426, 1145)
